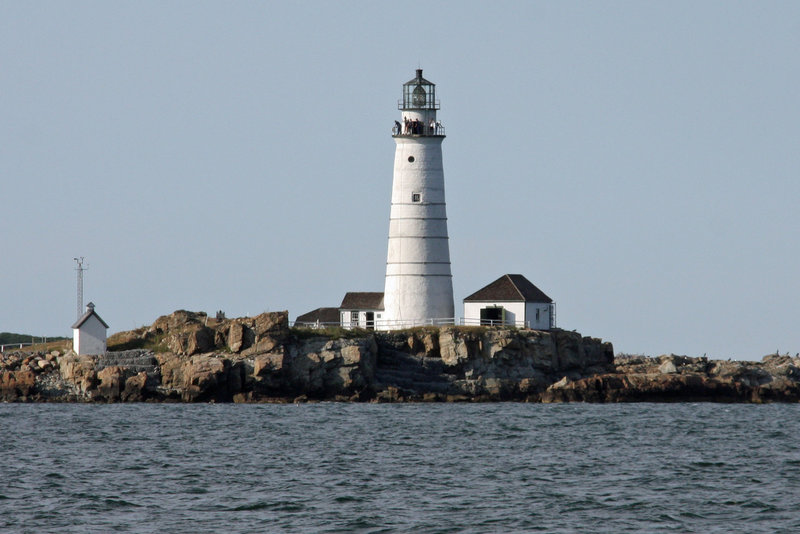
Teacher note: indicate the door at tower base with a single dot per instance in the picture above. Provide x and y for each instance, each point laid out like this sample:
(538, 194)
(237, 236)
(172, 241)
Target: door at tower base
(511, 300)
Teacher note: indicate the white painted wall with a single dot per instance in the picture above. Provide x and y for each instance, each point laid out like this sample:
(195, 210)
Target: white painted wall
(515, 312)
(543, 323)
(346, 322)
(90, 338)
(418, 285)
(521, 314)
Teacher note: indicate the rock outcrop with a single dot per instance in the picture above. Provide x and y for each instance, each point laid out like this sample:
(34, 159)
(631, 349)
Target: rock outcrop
(672, 378)
(478, 363)
(187, 357)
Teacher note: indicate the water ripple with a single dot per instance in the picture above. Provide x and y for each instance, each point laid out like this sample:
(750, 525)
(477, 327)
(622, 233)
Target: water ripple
(466, 468)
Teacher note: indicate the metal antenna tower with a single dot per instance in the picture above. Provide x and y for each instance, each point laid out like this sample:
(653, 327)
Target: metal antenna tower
(80, 270)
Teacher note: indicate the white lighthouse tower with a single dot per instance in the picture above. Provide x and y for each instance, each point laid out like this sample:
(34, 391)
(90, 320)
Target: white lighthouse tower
(419, 284)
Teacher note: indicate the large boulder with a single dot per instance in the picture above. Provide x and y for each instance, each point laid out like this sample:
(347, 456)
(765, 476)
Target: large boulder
(177, 320)
(79, 372)
(317, 367)
(272, 323)
(270, 330)
(238, 337)
(201, 377)
(192, 339)
(135, 388)
(112, 383)
(16, 384)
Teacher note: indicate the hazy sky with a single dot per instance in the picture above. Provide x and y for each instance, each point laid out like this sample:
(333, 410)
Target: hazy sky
(637, 161)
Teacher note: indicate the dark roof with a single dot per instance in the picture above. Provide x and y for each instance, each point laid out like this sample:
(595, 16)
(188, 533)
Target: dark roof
(510, 287)
(323, 315)
(354, 300)
(85, 317)
(418, 79)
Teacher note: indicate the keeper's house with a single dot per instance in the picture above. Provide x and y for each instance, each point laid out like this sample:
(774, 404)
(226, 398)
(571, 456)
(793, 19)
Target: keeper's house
(89, 333)
(510, 300)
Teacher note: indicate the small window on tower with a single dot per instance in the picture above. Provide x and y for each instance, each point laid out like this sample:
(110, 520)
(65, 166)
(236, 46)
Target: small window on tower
(414, 197)
(411, 159)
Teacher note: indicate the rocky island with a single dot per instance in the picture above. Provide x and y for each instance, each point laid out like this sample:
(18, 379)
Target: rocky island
(189, 357)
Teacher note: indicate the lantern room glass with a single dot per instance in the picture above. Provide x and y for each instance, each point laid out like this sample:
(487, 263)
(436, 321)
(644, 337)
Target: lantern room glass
(419, 93)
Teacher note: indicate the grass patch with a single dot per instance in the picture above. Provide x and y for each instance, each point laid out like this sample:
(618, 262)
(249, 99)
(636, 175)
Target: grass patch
(143, 341)
(337, 332)
(331, 332)
(9, 338)
(63, 344)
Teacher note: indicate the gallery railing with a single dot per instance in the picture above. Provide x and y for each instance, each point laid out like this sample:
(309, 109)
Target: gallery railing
(417, 131)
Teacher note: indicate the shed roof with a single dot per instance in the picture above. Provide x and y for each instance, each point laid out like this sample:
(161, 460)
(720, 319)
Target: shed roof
(510, 287)
(323, 315)
(85, 317)
(364, 300)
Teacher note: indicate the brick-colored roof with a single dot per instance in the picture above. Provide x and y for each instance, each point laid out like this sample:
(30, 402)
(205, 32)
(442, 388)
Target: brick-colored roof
(510, 287)
(323, 315)
(355, 300)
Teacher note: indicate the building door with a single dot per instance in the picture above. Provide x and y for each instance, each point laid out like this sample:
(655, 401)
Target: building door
(370, 320)
(492, 316)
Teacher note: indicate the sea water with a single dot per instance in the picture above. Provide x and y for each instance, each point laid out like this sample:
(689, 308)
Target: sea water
(335, 467)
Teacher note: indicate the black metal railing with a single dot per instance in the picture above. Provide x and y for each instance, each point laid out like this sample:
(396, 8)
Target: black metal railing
(413, 130)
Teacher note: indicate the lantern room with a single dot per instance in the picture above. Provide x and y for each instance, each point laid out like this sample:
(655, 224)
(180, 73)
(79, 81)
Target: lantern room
(418, 107)
(418, 94)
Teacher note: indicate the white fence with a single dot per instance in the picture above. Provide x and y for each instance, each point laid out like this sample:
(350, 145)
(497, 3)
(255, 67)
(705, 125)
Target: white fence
(379, 324)
(493, 322)
(9, 346)
(411, 323)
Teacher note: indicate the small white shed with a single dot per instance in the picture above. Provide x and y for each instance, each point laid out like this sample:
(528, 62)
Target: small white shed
(510, 300)
(89, 333)
(361, 309)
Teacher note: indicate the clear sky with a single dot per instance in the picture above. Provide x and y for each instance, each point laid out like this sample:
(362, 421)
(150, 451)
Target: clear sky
(637, 161)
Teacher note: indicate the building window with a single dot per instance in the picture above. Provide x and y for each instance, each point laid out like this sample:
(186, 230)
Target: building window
(537, 315)
(411, 159)
(414, 197)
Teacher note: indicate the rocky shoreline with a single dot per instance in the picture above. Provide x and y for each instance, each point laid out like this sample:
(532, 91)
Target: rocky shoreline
(186, 357)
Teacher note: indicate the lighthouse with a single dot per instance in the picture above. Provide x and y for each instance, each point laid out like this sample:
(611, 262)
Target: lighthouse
(419, 285)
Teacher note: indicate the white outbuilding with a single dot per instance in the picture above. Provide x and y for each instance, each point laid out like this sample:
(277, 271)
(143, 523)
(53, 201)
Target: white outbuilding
(510, 300)
(89, 333)
(361, 309)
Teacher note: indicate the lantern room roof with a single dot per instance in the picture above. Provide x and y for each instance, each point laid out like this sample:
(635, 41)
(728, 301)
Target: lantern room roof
(418, 80)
